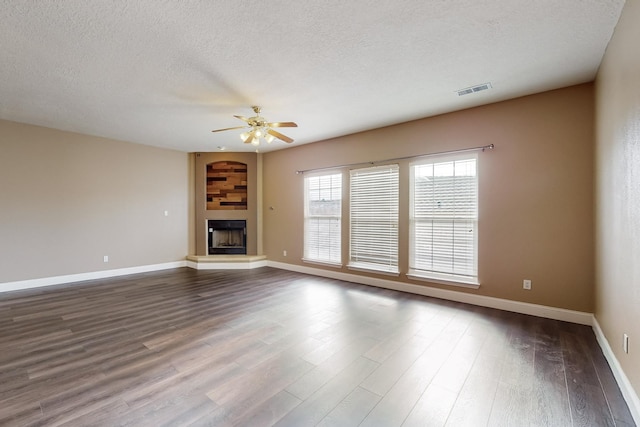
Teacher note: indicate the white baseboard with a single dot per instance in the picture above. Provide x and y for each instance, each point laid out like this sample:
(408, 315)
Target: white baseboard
(71, 278)
(484, 301)
(481, 300)
(626, 388)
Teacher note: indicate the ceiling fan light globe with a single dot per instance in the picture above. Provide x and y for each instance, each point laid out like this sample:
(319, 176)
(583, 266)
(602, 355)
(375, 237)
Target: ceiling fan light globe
(255, 141)
(244, 136)
(269, 138)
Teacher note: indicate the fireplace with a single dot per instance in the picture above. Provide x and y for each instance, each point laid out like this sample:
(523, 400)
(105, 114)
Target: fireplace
(227, 237)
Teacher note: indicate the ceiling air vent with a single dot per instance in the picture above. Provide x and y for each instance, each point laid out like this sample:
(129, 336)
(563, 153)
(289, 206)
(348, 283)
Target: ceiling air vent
(473, 89)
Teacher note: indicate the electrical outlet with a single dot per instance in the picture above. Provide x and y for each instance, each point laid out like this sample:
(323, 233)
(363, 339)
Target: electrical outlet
(526, 284)
(106, 258)
(625, 343)
(284, 253)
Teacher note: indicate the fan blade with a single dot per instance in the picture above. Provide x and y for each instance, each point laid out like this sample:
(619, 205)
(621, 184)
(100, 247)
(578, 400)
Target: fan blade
(252, 134)
(279, 136)
(220, 130)
(242, 118)
(282, 125)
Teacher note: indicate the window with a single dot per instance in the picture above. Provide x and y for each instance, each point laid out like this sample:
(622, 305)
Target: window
(444, 219)
(322, 218)
(374, 219)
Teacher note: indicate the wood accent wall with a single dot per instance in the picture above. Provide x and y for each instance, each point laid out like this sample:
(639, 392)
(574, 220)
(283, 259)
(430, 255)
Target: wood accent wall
(226, 186)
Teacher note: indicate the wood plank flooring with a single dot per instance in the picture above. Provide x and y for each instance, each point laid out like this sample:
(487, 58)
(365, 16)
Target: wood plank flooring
(269, 347)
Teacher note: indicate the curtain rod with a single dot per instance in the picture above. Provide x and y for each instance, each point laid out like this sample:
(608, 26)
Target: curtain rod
(481, 148)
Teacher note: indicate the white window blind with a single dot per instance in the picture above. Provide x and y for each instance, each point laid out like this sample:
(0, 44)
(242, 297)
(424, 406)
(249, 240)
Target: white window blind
(444, 219)
(374, 218)
(322, 218)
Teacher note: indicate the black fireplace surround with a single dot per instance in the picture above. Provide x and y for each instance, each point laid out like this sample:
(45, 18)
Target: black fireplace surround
(227, 237)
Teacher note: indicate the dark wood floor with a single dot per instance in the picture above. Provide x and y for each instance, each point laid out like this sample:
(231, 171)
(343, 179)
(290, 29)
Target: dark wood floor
(270, 347)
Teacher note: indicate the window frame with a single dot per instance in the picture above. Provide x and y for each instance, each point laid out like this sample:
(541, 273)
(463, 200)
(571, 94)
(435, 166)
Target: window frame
(455, 276)
(365, 261)
(334, 261)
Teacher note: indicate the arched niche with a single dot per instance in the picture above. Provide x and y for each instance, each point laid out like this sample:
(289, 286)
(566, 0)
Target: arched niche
(226, 185)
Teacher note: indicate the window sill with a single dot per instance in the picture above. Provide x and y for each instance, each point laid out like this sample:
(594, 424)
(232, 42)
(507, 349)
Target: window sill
(323, 263)
(445, 279)
(373, 270)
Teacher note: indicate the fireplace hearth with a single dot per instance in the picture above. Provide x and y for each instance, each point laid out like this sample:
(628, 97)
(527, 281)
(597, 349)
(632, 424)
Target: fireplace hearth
(227, 237)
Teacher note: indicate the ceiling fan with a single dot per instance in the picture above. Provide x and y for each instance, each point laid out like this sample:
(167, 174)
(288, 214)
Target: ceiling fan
(258, 128)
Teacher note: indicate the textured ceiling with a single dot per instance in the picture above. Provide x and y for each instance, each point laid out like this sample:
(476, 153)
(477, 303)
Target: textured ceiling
(166, 73)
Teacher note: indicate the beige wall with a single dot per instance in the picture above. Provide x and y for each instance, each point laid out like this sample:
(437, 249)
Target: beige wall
(536, 191)
(69, 199)
(250, 214)
(618, 192)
